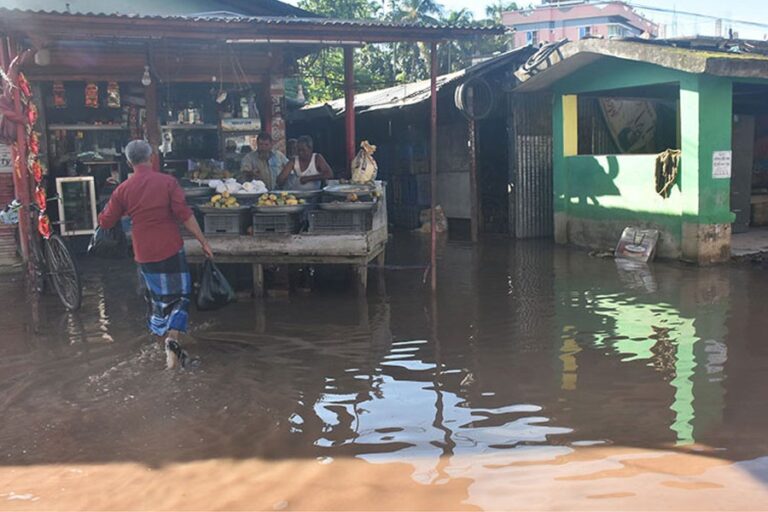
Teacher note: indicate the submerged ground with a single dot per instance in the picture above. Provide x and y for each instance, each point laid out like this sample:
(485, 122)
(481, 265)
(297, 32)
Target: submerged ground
(539, 378)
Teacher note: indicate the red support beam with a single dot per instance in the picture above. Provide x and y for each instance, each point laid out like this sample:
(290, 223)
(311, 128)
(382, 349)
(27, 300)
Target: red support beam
(433, 165)
(19, 153)
(349, 105)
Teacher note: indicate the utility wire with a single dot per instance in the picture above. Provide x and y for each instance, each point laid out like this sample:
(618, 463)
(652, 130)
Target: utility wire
(695, 14)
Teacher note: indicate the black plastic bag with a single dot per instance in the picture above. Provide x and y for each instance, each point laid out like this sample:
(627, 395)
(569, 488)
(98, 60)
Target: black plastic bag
(215, 291)
(108, 243)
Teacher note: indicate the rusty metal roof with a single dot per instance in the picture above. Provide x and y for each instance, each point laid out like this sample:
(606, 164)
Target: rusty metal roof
(11, 17)
(405, 95)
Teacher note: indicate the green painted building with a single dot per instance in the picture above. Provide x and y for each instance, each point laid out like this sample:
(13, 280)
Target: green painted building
(616, 105)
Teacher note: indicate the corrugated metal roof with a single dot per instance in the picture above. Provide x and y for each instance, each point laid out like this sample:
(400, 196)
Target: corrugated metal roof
(405, 95)
(263, 20)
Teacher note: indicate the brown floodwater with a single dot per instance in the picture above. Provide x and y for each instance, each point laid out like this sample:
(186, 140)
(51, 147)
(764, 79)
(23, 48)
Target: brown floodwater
(538, 378)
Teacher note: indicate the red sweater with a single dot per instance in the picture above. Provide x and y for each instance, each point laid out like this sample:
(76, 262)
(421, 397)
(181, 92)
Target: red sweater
(155, 202)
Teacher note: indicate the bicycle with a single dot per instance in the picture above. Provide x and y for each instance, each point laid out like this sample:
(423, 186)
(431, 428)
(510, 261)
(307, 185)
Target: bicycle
(51, 260)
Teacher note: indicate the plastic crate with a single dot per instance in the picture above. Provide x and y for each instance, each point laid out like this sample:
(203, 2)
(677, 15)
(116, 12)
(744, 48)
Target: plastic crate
(327, 222)
(226, 222)
(276, 223)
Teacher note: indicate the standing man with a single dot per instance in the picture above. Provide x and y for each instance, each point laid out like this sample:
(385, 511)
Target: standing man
(156, 205)
(263, 164)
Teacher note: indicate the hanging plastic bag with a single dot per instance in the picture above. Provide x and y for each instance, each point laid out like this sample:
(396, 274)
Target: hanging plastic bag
(364, 167)
(215, 291)
(108, 243)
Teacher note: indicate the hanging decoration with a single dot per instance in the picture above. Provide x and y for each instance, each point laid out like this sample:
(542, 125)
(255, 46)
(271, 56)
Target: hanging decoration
(34, 166)
(113, 95)
(91, 95)
(59, 95)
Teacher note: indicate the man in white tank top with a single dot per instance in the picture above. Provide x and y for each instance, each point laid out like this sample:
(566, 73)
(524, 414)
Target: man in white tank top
(307, 171)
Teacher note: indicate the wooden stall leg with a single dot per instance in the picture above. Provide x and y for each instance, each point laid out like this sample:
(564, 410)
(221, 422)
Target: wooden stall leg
(381, 258)
(380, 281)
(361, 278)
(258, 280)
(260, 310)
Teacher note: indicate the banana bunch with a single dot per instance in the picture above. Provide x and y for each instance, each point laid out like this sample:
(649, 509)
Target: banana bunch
(223, 200)
(281, 199)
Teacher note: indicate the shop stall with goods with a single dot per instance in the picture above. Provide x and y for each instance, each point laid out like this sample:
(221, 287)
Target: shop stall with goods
(343, 223)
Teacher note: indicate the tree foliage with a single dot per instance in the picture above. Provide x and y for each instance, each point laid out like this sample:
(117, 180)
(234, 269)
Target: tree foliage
(383, 65)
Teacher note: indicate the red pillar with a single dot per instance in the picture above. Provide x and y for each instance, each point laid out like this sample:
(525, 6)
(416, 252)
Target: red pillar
(433, 163)
(19, 153)
(349, 105)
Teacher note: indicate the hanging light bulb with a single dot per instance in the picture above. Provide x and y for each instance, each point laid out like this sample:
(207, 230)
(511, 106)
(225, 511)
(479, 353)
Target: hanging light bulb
(146, 79)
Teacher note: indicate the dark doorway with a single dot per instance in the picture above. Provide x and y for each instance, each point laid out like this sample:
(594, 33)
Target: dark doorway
(492, 159)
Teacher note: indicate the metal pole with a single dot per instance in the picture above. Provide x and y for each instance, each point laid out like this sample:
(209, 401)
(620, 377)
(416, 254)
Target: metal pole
(433, 164)
(349, 104)
(474, 220)
(20, 172)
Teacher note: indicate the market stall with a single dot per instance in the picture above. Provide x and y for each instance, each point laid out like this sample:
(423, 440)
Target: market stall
(342, 224)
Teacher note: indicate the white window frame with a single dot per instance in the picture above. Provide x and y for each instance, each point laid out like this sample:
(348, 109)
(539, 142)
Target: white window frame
(62, 220)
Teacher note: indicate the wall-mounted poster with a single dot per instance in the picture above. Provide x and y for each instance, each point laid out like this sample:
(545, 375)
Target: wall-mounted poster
(632, 124)
(721, 164)
(77, 205)
(6, 162)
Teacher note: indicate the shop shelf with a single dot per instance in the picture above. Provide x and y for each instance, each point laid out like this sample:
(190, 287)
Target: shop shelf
(276, 223)
(178, 126)
(340, 222)
(87, 127)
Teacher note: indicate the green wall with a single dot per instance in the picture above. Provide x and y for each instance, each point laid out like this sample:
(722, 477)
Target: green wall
(620, 188)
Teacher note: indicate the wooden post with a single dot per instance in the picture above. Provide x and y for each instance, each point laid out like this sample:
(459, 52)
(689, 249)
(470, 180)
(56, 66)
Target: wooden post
(349, 105)
(473, 213)
(20, 172)
(433, 165)
(258, 280)
(153, 122)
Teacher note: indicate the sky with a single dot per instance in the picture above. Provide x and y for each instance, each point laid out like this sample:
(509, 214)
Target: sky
(749, 10)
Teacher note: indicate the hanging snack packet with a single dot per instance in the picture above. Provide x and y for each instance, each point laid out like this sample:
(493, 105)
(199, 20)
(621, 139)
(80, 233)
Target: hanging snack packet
(113, 95)
(59, 95)
(91, 95)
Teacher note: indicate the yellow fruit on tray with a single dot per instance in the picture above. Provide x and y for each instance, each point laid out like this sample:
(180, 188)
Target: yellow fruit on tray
(215, 198)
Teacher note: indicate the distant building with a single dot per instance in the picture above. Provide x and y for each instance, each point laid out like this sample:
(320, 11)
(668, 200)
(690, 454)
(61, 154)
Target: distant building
(577, 19)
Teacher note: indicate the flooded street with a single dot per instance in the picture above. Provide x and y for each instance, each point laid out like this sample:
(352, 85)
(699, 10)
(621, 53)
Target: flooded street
(540, 378)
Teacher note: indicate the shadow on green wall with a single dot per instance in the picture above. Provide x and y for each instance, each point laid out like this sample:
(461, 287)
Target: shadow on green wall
(588, 181)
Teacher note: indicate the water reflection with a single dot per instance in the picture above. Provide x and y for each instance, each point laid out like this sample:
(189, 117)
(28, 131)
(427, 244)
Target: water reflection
(534, 365)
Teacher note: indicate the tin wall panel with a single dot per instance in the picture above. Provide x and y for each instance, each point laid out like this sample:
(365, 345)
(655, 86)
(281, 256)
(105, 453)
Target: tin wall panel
(532, 174)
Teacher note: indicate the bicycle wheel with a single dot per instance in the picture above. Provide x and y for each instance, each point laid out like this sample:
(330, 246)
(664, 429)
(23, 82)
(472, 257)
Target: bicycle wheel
(63, 273)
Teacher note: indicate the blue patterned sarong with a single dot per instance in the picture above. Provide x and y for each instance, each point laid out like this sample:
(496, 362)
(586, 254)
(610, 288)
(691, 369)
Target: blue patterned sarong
(169, 286)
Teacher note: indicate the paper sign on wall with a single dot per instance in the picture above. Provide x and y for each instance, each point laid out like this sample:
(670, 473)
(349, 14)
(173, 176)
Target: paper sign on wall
(6, 163)
(721, 164)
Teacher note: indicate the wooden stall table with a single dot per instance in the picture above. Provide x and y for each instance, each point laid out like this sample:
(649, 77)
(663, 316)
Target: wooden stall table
(356, 249)
(301, 249)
